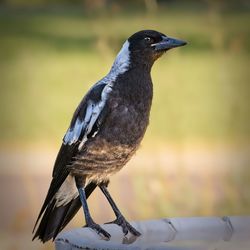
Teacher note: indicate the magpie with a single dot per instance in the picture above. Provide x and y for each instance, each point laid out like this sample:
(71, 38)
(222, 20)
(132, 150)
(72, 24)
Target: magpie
(105, 131)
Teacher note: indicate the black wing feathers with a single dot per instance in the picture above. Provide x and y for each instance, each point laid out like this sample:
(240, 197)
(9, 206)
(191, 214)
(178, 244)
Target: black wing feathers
(60, 173)
(56, 218)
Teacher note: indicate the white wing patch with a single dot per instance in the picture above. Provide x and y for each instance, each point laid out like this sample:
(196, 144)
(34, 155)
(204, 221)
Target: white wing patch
(73, 134)
(93, 110)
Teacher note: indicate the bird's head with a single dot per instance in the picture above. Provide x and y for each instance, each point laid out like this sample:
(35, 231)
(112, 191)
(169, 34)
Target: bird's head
(149, 45)
(142, 49)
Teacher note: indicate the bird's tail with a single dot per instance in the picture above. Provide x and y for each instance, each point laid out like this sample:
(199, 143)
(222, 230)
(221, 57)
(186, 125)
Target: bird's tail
(56, 218)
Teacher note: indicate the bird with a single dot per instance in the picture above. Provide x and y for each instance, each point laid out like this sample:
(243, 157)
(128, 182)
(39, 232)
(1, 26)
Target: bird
(106, 129)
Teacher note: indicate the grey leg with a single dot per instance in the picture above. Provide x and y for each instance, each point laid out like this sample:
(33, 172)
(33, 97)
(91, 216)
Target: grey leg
(89, 221)
(120, 220)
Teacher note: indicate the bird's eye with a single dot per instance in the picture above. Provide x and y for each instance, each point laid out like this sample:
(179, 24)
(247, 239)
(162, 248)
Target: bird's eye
(148, 39)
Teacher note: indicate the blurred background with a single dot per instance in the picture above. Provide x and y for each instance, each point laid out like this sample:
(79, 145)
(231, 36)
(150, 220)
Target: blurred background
(194, 160)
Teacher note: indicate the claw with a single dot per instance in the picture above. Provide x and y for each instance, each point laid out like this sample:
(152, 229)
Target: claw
(99, 230)
(126, 227)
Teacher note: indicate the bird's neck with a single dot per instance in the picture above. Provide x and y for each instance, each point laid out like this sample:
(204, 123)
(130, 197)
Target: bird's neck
(142, 67)
(127, 61)
(122, 65)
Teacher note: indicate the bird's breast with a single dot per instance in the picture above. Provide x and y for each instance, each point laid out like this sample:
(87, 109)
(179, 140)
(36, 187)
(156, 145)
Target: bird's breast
(126, 124)
(100, 159)
(128, 116)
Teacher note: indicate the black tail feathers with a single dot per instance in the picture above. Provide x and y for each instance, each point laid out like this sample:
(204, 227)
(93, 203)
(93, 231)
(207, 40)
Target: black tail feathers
(54, 218)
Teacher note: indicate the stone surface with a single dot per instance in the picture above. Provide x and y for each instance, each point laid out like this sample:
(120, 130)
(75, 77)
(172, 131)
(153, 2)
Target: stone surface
(196, 233)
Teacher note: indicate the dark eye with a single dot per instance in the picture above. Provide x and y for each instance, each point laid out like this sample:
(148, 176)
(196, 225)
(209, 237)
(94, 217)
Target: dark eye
(148, 39)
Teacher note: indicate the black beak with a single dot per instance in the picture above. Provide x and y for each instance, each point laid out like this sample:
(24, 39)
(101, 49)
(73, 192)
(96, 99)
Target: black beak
(168, 43)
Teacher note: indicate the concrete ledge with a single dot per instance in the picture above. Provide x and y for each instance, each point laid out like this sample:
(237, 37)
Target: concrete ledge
(196, 233)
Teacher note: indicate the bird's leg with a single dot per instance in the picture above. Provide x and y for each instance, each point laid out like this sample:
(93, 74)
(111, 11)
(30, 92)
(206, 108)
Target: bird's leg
(80, 182)
(120, 220)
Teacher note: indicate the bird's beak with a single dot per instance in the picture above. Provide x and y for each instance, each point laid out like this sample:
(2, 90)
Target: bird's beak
(168, 43)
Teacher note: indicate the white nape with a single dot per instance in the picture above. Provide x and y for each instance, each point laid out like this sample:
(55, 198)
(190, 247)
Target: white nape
(122, 61)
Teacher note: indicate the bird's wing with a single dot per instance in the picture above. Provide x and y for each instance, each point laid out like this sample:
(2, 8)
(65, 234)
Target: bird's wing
(85, 123)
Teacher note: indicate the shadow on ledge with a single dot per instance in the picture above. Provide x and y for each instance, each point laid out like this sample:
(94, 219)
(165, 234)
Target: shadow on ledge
(196, 233)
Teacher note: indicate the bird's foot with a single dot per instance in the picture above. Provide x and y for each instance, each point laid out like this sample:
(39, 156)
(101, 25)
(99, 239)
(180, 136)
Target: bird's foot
(126, 227)
(99, 230)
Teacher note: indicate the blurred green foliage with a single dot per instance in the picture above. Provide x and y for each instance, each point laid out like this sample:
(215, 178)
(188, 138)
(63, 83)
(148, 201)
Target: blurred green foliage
(50, 57)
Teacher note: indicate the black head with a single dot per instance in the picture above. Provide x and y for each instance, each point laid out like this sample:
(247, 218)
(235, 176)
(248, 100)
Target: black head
(149, 45)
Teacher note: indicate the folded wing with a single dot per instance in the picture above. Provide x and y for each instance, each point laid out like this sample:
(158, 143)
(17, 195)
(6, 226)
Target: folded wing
(62, 201)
